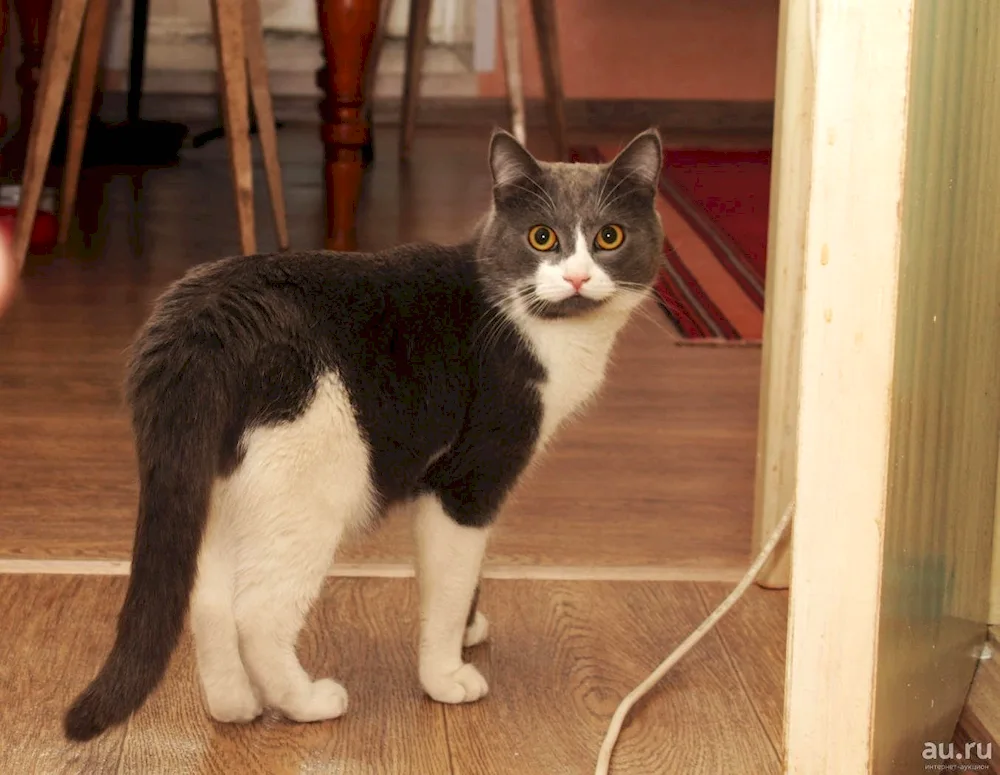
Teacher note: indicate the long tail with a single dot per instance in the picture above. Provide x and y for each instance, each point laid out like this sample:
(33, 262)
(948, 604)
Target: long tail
(177, 418)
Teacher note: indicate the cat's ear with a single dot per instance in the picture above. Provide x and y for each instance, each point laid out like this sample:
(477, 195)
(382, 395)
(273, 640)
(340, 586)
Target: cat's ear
(510, 161)
(640, 161)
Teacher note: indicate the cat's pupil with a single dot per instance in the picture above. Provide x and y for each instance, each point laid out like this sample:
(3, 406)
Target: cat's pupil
(542, 236)
(609, 234)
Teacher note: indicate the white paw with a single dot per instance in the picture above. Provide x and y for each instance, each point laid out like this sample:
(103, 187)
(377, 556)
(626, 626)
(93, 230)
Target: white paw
(239, 706)
(463, 685)
(476, 632)
(326, 699)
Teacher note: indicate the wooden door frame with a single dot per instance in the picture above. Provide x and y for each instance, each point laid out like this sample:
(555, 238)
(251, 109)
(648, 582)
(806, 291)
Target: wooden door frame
(882, 189)
(790, 180)
(848, 316)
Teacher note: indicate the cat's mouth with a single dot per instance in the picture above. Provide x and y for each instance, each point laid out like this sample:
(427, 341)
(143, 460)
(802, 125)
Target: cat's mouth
(572, 306)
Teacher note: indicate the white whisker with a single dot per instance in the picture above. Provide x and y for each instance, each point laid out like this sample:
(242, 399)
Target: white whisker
(548, 206)
(540, 187)
(602, 204)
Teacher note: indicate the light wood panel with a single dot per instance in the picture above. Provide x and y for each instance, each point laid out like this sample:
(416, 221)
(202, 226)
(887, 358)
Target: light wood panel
(779, 384)
(945, 420)
(560, 657)
(848, 319)
(899, 406)
(994, 616)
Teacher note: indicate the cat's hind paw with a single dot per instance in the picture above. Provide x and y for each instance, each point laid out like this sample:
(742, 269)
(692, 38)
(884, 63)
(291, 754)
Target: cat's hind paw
(463, 685)
(239, 707)
(476, 632)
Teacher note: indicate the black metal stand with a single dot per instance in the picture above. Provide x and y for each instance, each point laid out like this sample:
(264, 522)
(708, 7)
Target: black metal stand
(137, 62)
(135, 142)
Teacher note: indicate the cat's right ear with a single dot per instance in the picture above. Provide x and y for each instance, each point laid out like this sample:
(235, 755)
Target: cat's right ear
(510, 162)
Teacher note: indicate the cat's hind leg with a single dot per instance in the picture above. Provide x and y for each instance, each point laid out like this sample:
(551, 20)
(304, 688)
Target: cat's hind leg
(224, 681)
(303, 484)
(477, 626)
(278, 585)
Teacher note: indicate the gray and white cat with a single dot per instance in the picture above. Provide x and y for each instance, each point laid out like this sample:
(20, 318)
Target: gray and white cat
(280, 401)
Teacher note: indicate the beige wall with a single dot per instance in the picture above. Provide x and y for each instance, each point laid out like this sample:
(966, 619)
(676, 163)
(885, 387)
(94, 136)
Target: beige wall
(640, 49)
(656, 49)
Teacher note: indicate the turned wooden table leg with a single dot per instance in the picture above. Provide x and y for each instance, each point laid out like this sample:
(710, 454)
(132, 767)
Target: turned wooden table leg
(347, 27)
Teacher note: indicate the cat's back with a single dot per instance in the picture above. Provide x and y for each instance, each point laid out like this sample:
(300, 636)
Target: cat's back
(260, 318)
(281, 298)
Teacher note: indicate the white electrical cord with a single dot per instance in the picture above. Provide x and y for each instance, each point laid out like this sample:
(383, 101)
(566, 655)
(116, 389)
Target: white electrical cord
(608, 747)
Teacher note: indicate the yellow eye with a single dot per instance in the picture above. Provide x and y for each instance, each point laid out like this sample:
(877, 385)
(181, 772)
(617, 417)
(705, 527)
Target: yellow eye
(542, 238)
(610, 237)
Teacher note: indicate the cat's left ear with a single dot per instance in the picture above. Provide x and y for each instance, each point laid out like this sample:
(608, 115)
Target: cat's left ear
(640, 161)
(510, 161)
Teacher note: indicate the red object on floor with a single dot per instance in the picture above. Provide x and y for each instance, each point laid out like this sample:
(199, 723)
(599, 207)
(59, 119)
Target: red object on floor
(43, 234)
(714, 204)
(8, 274)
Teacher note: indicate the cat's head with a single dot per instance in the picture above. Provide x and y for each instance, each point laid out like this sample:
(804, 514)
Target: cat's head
(566, 240)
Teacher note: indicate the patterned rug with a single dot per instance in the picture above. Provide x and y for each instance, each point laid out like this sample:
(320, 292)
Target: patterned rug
(714, 206)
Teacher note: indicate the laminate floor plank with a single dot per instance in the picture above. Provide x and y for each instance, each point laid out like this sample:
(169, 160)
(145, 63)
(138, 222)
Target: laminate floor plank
(54, 630)
(754, 634)
(560, 657)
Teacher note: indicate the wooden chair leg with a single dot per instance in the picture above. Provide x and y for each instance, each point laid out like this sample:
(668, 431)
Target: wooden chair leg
(60, 46)
(371, 71)
(416, 44)
(260, 91)
(510, 24)
(385, 8)
(91, 46)
(544, 12)
(228, 18)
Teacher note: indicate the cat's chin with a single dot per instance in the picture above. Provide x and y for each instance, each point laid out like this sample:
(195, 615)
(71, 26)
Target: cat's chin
(574, 306)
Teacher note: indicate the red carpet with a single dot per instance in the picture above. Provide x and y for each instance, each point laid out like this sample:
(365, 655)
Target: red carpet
(714, 206)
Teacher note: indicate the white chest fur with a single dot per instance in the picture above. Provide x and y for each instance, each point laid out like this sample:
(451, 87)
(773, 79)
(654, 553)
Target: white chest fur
(574, 352)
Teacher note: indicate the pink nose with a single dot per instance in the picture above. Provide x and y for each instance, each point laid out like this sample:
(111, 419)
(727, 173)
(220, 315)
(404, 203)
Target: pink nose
(576, 280)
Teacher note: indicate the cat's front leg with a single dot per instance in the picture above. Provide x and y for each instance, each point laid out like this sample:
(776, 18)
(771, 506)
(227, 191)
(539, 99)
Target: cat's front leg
(449, 557)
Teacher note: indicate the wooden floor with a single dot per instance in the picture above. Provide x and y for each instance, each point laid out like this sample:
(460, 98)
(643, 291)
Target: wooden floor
(637, 523)
(560, 657)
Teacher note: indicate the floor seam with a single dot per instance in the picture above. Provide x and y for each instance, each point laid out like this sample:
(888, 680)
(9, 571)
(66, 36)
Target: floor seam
(447, 740)
(526, 572)
(121, 751)
(739, 675)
